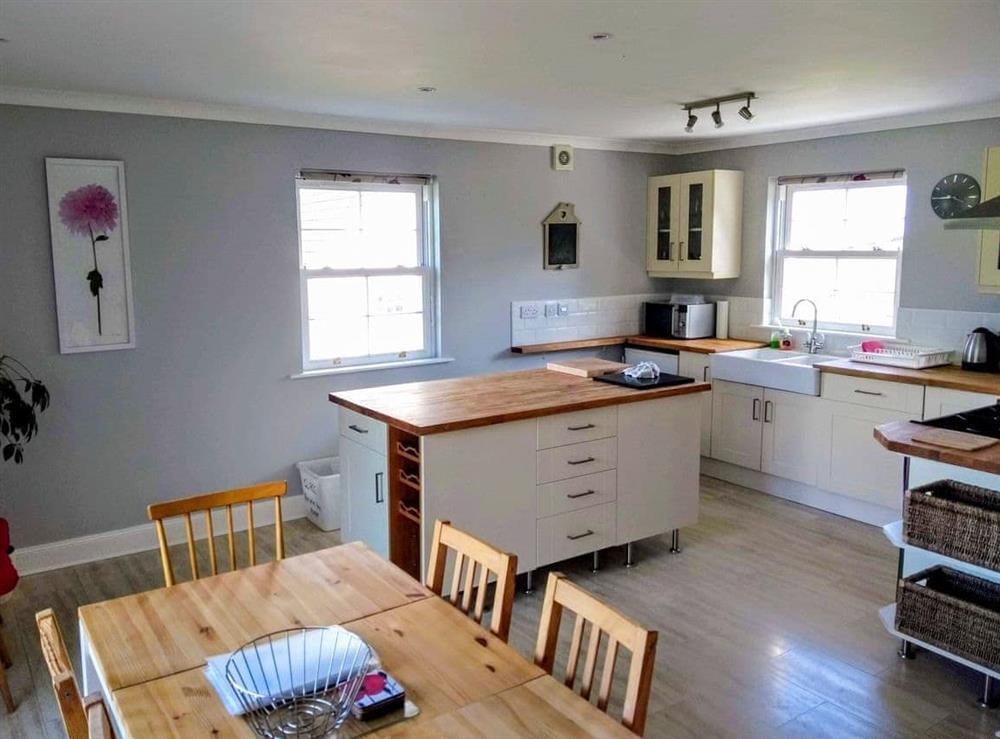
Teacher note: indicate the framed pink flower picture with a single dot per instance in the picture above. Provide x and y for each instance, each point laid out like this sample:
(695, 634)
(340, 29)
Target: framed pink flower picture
(90, 254)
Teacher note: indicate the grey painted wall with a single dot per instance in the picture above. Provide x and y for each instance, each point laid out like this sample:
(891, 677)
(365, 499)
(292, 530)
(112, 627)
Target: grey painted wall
(939, 266)
(204, 401)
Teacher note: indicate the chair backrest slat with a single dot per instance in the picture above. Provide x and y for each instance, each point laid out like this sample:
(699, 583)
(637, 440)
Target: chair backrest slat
(472, 553)
(601, 619)
(206, 503)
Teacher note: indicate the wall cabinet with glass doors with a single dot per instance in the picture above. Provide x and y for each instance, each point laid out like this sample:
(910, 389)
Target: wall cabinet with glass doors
(694, 224)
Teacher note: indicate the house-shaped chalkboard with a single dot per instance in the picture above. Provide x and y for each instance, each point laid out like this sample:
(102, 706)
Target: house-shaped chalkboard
(562, 237)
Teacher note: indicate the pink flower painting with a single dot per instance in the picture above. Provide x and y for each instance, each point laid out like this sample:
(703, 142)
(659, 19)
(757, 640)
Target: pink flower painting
(91, 211)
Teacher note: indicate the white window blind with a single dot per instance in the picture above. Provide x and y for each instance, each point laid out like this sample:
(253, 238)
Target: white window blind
(368, 268)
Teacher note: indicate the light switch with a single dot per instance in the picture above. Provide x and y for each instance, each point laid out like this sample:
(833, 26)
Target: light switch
(563, 309)
(551, 309)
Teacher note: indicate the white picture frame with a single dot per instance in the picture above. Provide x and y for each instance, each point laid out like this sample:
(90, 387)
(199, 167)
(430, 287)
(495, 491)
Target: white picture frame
(88, 224)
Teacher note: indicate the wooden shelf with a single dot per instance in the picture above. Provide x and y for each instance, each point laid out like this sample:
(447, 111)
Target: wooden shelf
(894, 533)
(887, 615)
(409, 512)
(409, 480)
(404, 501)
(564, 346)
(408, 452)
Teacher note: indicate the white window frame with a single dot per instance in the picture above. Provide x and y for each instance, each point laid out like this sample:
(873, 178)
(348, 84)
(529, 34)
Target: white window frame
(782, 233)
(428, 268)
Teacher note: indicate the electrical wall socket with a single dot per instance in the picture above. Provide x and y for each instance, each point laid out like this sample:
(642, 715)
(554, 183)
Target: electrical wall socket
(551, 309)
(529, 311)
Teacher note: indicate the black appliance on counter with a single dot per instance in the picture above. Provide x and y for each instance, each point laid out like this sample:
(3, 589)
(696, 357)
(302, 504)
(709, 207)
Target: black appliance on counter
(982, 421)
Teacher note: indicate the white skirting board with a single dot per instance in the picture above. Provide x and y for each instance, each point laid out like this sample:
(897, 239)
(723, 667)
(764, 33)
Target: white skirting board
(68, 552)
(841, 505)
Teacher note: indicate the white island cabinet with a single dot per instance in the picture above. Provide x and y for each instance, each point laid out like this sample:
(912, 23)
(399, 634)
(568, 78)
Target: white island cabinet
(499, 459)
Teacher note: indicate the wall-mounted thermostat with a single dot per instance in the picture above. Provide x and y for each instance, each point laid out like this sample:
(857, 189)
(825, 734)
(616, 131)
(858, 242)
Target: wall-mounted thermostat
(562, 157)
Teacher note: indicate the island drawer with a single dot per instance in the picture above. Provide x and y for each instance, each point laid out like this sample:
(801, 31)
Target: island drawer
(576, 460)
(571, 428)
(576, 493)
(362, 429)
(575, 533)
(896, 396)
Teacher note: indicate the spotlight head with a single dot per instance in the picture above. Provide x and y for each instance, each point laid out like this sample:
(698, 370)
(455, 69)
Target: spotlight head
(745, 113)
(692, 119)
(717, 117)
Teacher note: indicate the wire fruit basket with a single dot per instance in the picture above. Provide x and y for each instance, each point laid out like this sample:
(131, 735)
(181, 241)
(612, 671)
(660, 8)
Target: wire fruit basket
(903, 355)
(300, 682)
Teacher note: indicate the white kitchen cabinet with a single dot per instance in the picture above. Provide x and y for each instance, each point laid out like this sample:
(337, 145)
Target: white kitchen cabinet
(363, 473)
(696, 365)
(736, 423)
(658, 467)
(939, 401)
(794, 436)
(989, 241)
(694, 224)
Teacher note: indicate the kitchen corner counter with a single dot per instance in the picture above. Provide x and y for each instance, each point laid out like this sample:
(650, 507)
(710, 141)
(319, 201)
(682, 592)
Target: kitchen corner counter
(951, 377)
(438, 406)
(698, 346)
(898, 437)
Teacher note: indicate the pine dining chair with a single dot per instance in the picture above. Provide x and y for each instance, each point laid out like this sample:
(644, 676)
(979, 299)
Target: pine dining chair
(472, 553)
(205, 504)
(83, 718)
(604, 620)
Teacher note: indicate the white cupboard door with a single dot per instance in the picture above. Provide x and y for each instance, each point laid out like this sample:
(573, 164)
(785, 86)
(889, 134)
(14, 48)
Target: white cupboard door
(737, 412)
(697, 196)
(794, 436)
(367, 492)
(939, 401)
(858, 466)
(658, 467)
(663, 210)
(697, 366)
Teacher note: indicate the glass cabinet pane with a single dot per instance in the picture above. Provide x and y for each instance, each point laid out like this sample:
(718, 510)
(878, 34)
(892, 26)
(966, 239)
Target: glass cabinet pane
(663, 223)
(696, 193)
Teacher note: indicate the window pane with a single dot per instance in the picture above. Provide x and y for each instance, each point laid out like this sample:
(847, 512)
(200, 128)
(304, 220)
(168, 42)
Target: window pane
(389, 226)
(849, 291)
(337, 297)
(337, 209)
(338, 338)
(808, 278)
(395, 294)
(332, 249)
(847, 218)
(396, 333)
(875, 217)
(818, 218)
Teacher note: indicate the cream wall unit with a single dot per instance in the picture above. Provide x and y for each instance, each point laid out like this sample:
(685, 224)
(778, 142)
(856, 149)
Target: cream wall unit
(736, 423)
(363, 473)
(694, 224)
(939, 401)
(483, 481)
(692, 364)
(989, 241)
(658, 467)
(794, 436)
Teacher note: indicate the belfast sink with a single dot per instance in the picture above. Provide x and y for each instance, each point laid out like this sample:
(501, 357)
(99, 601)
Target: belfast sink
(781, 370)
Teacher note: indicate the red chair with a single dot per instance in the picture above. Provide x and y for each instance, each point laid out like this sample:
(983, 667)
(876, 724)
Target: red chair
(8, 581)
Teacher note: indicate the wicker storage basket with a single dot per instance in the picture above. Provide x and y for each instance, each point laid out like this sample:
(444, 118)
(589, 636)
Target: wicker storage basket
(954, 519)
(953, 610)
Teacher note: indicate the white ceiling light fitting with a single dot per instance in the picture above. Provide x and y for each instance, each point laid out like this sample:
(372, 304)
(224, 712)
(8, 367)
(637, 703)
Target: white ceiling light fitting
(601, 36)
(426, 88)
(744, 112)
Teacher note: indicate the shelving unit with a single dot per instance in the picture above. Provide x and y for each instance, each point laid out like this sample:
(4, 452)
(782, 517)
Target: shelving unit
(405, 500)
(887, 614)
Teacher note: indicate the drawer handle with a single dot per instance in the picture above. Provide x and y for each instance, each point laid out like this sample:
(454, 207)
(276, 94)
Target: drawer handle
(581, 428)
(360, 430)
(580, 461)
(584, 535)
(574, 496)
(869, 392)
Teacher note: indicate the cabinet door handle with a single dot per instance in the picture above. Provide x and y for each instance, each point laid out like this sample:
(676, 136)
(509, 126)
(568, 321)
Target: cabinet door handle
(584, 535)
(768, 405)
(755, 413)
(869, 392)
(574, 496)
(581, 428)
(358, 429)
(704, 373)
(379, 497)
(580, 461)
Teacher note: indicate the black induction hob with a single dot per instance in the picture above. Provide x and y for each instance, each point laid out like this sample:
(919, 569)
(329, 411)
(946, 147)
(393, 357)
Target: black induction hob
(982, 421)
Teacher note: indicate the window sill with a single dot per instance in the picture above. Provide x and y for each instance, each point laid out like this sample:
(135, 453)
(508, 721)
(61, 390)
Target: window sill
(370, 367)
(863, 336)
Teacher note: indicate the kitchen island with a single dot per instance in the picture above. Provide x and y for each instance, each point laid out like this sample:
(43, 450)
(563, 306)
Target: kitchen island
(542, 464)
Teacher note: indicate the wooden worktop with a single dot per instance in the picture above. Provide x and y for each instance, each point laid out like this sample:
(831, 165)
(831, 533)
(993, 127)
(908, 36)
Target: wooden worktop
(700, 346)
(898, 437)
(481, 400)
(951, 376)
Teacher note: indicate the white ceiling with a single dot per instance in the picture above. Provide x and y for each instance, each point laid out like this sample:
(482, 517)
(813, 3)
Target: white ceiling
(510, 67)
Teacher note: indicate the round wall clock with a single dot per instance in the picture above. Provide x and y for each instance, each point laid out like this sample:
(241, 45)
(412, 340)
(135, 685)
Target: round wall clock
(954, 194)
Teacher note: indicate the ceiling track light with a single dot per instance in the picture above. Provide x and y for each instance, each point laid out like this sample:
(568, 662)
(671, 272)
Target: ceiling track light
(716, 103)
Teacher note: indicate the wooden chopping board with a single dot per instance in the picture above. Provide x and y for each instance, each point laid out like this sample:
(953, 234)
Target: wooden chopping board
(954, 439)
(586, 367)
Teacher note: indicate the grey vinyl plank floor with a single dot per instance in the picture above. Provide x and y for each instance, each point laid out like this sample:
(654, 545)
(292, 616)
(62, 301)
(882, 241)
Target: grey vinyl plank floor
(768, 628)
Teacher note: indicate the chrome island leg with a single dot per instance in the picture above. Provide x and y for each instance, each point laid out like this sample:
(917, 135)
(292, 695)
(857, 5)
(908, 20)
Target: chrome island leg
(987, 701)
(597, 561)
(675, 542)
(529, 581)
(629, 559)
(905, 650)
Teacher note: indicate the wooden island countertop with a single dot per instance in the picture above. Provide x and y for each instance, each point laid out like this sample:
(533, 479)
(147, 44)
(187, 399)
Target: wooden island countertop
(898, 437)
(438, 406)
(949, 376)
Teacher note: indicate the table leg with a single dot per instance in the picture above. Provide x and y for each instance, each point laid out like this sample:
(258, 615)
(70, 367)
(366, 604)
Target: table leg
(92, 683)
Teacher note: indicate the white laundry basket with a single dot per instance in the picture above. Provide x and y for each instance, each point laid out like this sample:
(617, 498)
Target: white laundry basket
(321, 488)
